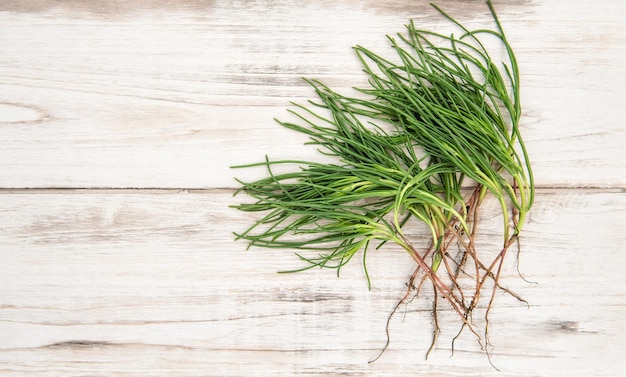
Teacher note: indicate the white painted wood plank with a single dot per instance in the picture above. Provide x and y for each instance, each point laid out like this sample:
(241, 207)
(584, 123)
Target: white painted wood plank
(143, 95)
(151, 283)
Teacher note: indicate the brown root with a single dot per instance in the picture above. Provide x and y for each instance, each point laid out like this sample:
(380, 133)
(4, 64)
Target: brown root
(462, 262)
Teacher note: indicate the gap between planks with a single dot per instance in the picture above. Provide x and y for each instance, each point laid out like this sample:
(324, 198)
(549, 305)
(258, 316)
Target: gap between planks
(209, 190)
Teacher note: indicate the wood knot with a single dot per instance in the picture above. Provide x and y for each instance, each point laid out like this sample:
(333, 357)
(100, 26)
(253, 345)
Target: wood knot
(17, 113)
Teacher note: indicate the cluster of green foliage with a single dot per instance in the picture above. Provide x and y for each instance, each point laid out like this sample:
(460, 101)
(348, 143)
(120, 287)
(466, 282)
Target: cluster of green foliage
(439, 118)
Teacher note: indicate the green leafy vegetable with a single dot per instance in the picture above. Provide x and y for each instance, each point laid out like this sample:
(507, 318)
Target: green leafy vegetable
(440, 114)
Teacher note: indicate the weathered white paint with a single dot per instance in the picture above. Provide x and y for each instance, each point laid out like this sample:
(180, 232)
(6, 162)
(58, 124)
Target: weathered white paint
(171, 96)
(114, 282)
(137, 278)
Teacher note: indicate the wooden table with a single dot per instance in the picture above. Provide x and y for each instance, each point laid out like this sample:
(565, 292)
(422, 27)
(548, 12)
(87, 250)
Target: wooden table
(118, 124)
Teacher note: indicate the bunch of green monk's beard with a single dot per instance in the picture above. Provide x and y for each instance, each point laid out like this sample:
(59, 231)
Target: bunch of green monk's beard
(435, 133)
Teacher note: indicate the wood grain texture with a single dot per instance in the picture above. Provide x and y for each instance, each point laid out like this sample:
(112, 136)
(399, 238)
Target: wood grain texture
(128, 283)
(119, 121)
(170, 97)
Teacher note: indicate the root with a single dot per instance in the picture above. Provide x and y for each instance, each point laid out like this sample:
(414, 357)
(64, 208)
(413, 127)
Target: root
(410, 287)
(436, 329)
(463, 261)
